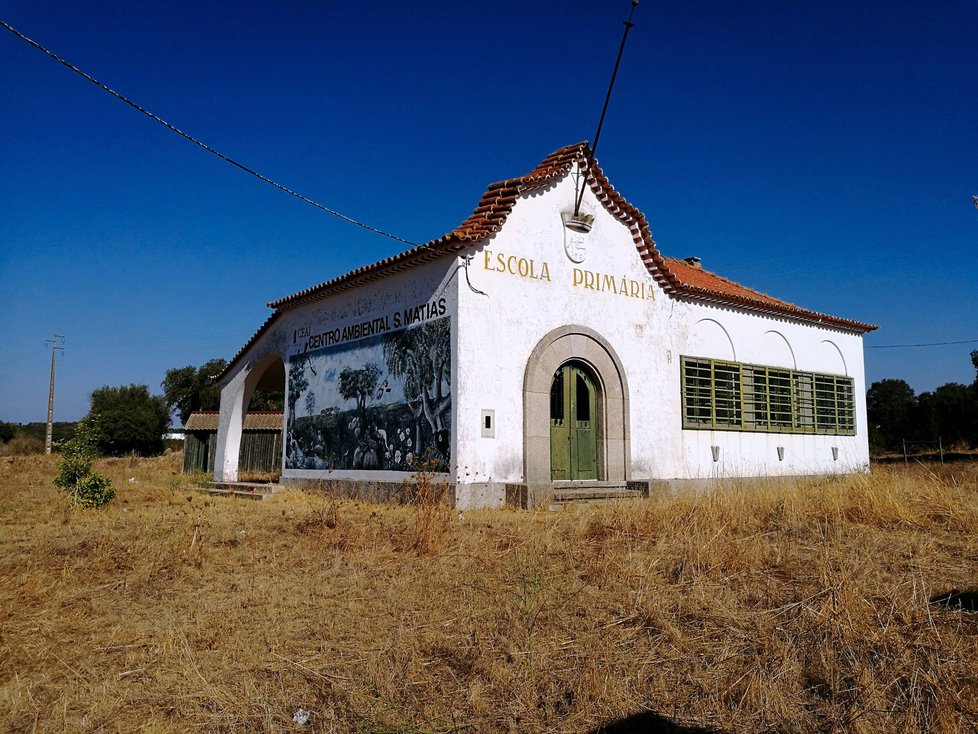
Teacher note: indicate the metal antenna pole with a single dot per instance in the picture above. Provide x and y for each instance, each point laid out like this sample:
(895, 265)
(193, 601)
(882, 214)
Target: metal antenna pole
(611, 85)
(50, 430)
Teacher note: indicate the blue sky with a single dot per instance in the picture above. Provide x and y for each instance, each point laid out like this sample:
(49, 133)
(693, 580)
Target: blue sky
(825, 153)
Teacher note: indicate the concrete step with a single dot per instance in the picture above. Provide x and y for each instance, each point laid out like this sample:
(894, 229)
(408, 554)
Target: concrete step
(595, 494)
(241, 490)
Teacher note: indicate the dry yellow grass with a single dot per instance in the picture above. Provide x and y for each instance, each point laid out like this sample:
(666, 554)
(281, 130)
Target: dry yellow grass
(753, 610)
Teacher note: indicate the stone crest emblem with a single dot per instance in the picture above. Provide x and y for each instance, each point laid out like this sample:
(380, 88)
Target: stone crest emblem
(576, 228)
(575, 245)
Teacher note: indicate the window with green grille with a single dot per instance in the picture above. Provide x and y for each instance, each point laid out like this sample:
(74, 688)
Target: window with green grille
(746, 397)
(779, 399)
(697, 393)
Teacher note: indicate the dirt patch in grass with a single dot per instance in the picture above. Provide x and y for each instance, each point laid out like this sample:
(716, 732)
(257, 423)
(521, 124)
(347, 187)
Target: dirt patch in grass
(752, 610)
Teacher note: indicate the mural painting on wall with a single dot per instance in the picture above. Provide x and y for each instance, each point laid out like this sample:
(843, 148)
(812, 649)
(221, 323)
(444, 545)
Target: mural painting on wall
(381, 403)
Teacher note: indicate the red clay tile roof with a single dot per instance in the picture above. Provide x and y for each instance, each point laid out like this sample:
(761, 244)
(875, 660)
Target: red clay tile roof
(488, 217)
(676, 277)
(703, 284)
(259, 420)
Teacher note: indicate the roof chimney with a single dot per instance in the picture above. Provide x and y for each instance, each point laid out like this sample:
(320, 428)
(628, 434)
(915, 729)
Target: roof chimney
(693, 261)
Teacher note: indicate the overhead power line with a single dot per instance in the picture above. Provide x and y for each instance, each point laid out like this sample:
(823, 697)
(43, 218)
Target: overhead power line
(200, 143)
(908, 346)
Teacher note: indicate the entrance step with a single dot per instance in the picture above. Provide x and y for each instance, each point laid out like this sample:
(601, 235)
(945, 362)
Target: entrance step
(241, 490)
(592, 494)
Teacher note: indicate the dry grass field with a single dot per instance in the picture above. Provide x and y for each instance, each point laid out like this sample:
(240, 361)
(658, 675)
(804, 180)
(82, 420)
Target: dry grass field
(751, 610)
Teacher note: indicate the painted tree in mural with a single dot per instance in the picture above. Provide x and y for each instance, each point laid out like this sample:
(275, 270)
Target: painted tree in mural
(298, 383)
(357, 385)
(422, 356)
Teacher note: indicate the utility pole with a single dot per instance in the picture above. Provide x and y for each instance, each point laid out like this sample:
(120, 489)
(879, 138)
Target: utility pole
(54, 348)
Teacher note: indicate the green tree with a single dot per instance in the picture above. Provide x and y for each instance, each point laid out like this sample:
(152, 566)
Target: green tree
(129, 420)
(974, 387)
(7, 431)
(890, 407)
(951, 412)
(186, 389)
(267, 400)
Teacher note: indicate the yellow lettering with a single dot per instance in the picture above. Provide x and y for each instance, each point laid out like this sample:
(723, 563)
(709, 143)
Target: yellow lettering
(578, 277)
(589, 279)
(633, 291)
(524, 267)
(608, 284)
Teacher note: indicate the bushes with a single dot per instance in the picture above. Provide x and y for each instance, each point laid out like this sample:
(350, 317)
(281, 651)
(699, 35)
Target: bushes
(22, 446)
(85, 487)
(93, 490)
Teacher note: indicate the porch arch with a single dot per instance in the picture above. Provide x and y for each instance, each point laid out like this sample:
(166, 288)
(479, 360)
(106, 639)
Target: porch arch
(269, 371)
(580, 344)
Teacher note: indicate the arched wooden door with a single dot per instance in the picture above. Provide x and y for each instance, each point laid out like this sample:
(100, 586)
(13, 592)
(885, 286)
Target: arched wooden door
(573, 424)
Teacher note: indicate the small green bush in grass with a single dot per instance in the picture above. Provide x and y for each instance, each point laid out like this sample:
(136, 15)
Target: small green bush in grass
(85, 487)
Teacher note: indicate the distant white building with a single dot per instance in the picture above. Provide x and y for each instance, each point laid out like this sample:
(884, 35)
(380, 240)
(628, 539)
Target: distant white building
(530, 350)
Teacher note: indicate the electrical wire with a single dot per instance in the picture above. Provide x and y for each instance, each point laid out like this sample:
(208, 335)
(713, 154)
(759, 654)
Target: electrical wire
(907, 346)
(199, 143)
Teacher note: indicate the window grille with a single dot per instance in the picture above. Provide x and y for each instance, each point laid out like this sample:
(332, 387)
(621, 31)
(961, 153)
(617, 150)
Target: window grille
(697, 393)
(746, 397)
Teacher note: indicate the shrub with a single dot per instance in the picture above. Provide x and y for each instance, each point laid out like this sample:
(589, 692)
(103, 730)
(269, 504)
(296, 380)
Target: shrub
(93, 490)
(84, 486)
(432, 511)
(22, 446)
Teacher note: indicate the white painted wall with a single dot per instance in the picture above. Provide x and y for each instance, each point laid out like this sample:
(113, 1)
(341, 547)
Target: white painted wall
(289, 335)
(533, 280)
(497, 333)
(776, 342)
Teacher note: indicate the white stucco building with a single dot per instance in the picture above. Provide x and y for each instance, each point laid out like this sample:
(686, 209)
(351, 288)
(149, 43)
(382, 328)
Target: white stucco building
(531, 350)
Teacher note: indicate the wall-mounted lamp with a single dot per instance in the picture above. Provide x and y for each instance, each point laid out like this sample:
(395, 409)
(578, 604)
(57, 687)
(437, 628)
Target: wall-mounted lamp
(716, 452)
(780, 453)
(835, 453)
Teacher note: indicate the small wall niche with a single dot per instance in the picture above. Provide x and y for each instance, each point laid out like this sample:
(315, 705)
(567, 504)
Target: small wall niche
(488, 424)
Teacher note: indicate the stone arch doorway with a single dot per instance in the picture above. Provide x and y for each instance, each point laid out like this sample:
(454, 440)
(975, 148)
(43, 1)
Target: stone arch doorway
(561, 358)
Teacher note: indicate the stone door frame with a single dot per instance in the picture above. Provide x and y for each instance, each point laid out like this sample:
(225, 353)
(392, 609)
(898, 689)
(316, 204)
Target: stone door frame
(575, 343)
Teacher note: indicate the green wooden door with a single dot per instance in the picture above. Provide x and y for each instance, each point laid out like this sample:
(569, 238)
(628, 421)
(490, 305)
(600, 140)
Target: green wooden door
(573, 434)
